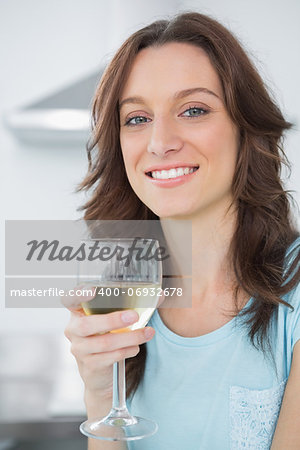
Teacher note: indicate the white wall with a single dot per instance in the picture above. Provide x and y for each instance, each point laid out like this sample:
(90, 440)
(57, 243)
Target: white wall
(46, 44)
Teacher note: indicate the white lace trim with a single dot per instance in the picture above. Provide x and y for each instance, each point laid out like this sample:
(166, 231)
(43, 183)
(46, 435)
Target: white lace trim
(253, 416)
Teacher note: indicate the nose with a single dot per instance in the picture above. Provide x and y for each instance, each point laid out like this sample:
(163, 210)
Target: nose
(164, 138)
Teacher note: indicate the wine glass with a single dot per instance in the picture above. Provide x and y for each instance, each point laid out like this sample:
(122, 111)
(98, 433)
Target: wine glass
(122, 283)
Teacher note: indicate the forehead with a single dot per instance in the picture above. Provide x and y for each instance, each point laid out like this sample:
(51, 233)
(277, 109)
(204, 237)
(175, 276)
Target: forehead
(171, 67)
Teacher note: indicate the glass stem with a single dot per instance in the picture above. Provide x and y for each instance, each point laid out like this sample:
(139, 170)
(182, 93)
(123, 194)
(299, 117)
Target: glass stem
(119, 386)
(119, 414)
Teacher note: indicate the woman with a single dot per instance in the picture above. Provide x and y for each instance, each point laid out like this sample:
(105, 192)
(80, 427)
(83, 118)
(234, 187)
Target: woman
(185, 129)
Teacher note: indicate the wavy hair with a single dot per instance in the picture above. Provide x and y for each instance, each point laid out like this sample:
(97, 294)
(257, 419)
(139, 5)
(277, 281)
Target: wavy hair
(264, 227)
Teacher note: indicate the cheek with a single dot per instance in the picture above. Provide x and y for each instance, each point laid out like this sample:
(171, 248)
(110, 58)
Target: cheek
(128, 154)
(222, 149)
(133, 149)
(129, 171)
(130, 158)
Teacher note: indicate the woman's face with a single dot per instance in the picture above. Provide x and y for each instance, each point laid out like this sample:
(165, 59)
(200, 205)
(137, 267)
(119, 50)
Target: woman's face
(178, 142)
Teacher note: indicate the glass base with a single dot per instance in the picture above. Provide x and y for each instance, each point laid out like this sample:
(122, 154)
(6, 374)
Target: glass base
(119, 429)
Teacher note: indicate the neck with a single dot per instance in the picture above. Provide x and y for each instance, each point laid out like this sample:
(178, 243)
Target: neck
(210, 237)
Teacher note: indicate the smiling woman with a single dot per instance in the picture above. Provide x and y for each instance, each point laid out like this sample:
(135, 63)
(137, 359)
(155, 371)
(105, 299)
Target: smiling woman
(184, 128)
(177, 124)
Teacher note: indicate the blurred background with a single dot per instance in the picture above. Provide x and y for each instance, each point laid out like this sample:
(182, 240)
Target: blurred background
(52, 56)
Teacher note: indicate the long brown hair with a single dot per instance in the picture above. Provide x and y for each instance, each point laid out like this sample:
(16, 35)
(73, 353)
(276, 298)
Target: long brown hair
(264, 228)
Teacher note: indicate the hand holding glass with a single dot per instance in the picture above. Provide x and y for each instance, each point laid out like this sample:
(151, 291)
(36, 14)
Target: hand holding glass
(122, 284)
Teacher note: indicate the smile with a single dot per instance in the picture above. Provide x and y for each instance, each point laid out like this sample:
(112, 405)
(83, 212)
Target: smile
(172, 173)
(172, 177)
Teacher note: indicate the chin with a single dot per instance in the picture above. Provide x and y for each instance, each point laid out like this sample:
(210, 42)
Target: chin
(170, 209)
(169, 213)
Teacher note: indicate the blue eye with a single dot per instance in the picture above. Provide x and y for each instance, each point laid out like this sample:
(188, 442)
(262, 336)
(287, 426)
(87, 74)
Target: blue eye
(137, 120)
(194, 112)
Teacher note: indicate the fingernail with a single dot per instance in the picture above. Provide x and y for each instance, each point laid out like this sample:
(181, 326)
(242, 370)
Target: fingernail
(129, 316)
(149, 332)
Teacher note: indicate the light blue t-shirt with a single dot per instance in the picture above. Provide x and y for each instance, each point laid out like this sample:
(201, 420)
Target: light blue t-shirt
(216, 391)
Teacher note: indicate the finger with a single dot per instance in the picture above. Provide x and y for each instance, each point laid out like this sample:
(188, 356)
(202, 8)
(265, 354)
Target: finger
(110, 342)
(102, 323)
(120, 354)
(95, 363)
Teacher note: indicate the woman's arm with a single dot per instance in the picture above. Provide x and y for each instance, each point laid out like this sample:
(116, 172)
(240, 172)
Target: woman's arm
(106, 445)
(96, 350)
(99, 407)
(287, 433)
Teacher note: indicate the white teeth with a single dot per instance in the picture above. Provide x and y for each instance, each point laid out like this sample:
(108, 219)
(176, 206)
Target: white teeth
(172, 173)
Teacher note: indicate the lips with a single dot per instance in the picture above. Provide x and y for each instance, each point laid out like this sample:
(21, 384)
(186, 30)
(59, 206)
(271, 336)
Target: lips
(172, 172)
(169, 166)
(172, 177)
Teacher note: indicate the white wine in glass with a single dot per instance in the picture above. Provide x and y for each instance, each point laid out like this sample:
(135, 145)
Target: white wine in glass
(135, 284)
(133, 295)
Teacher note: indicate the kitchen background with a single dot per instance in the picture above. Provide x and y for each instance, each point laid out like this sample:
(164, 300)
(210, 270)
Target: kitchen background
(45, 48)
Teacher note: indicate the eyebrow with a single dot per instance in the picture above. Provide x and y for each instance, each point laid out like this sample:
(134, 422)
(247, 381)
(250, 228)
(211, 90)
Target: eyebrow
(177, 96)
